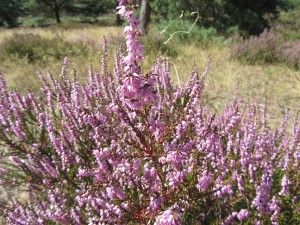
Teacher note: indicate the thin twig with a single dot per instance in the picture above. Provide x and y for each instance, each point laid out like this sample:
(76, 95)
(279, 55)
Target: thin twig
(182, 31)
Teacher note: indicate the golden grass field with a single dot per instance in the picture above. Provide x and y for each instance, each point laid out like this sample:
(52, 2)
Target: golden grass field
(276, 84)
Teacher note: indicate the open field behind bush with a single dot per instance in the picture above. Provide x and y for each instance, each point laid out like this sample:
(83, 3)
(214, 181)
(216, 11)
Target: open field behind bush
(276, 84)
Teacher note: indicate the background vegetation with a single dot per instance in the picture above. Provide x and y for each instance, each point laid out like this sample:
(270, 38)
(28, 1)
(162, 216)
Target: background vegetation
(265, 65)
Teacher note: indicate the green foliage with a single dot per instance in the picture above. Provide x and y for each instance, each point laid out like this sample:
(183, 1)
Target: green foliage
(55, 6)
(293, 3)
(249, 16)
(34, 21)
(290, 216)
(10, 10)
(197, 35)
(209, 10)
(256, 14)
(288, 24)
(90, 8)
(36, 49)
(86, 8)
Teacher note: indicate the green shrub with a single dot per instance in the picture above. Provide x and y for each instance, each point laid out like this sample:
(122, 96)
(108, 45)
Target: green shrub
(34, 21)
(37, 49)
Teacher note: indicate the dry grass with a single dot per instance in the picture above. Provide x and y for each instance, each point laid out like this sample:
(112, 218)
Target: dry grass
(23, 75)
(70, 34)
(279, 85)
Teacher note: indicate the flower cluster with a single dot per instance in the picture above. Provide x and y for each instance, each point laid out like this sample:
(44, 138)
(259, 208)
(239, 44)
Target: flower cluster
(135, 90)
(134, 46)
(129, 148)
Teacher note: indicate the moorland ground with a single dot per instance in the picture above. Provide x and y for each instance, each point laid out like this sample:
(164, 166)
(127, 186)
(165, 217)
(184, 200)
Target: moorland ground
(276, 84)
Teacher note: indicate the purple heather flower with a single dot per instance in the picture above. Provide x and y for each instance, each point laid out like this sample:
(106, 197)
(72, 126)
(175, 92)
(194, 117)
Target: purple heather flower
(2, 171)
(156, 203)
(243, 215)
(285, 183)
(171, 216)
(204, 181)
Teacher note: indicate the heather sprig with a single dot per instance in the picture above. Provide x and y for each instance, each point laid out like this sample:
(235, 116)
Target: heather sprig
(133, 148)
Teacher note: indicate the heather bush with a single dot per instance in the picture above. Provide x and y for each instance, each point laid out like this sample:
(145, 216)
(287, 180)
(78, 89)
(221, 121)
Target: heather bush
(259, 49)
(290, 53)
(130, 147)
(37, 49)
(280, 44)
